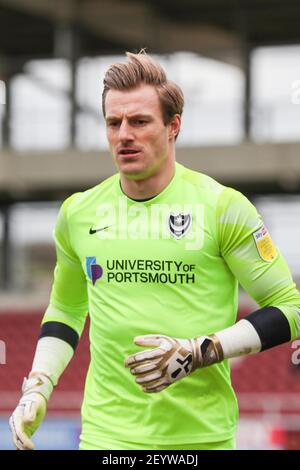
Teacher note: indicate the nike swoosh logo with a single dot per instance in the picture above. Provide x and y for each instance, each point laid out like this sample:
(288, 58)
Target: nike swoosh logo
(92, 231)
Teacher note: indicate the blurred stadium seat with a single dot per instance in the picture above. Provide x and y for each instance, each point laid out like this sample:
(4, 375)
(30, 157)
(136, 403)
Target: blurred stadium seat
(19, 331)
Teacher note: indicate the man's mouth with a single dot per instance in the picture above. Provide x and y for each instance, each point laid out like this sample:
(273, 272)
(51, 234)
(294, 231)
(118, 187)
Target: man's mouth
(128, 152)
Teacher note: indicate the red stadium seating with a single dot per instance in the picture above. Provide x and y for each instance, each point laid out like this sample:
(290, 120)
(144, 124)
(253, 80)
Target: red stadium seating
(20, 331)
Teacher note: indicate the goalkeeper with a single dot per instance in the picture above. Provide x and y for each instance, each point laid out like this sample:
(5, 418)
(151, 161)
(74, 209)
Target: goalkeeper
(155, 254)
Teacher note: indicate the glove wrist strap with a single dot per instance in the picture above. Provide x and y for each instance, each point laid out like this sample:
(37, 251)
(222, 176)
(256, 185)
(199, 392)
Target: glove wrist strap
(207, 351)
(38, 383)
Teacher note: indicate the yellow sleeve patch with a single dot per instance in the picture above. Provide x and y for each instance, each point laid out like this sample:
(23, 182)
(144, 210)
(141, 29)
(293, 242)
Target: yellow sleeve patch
(264, 243)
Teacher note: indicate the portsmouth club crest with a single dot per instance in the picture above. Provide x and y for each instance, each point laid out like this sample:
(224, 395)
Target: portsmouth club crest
(179, 224)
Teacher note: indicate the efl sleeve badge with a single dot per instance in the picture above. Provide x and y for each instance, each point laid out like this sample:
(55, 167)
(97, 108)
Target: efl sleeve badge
(264, 243)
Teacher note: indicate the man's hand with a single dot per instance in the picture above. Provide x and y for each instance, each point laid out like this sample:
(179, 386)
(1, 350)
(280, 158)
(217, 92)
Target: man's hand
(172, 360)
(30, 411)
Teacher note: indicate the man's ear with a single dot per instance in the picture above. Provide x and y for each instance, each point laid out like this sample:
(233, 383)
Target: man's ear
(174, 126)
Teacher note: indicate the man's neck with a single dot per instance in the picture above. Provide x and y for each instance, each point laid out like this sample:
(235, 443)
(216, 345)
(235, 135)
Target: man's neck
(148, 187)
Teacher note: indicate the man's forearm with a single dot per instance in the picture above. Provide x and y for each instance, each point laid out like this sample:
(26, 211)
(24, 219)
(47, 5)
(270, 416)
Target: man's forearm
(262, 329)
(54, 350)
(53, 353)
(174, 359)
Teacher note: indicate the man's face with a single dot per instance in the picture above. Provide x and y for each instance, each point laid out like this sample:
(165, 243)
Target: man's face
(138, 138)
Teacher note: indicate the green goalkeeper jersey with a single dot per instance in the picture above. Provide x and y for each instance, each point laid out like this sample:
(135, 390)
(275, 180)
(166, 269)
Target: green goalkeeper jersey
(169, 265)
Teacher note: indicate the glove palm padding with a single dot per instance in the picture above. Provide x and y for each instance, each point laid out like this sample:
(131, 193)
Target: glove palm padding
(30, 410)
(26, 418)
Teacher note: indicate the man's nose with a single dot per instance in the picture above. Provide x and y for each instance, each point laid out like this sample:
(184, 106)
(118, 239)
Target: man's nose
(125, 132)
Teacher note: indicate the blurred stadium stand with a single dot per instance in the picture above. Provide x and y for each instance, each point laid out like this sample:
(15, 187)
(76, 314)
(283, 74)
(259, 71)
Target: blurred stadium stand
(248, 154)
(20, 331)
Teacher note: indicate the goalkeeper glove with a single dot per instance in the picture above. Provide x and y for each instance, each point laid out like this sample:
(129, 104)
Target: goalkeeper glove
(172, 360)
(31, 410)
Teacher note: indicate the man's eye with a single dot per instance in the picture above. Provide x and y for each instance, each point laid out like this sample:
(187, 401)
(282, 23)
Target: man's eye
(140, 122)
(113, 124)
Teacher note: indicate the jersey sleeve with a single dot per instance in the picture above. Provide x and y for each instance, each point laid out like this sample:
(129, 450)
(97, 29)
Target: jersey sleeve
(255, 261)
(69, 299)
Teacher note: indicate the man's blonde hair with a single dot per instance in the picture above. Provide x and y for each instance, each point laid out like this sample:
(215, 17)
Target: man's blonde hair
(142, 69)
